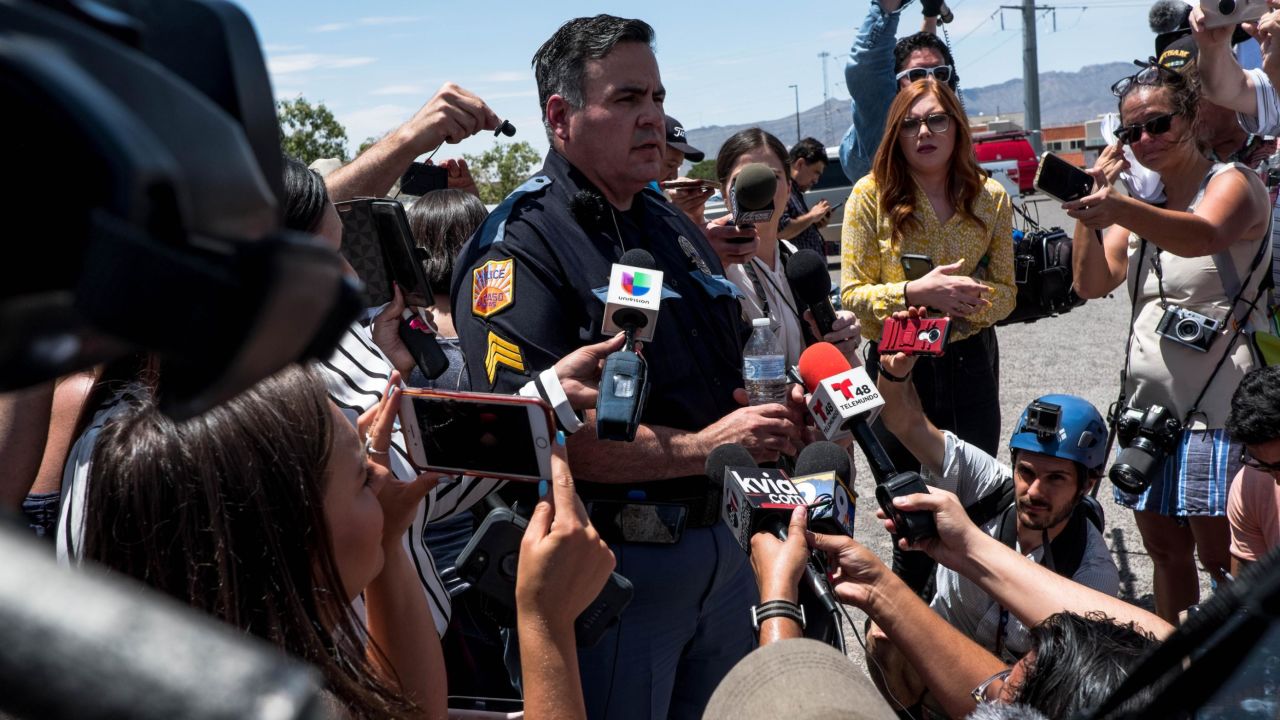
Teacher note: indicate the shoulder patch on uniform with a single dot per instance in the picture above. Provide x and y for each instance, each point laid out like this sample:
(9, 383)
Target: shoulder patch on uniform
(502, 352)
(493, 287)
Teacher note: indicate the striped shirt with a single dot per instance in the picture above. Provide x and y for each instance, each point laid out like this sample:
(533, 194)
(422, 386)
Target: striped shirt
(356, 375)
(971, 474)
(75, 478)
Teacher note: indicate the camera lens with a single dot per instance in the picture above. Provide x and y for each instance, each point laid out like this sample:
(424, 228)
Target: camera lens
(1187, 330)
(1226, 7)
(1135, 467)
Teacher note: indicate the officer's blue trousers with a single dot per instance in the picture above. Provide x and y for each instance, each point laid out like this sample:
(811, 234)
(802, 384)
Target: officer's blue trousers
(688, 624)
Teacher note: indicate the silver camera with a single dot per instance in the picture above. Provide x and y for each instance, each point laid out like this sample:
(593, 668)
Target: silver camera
(1221, 13)
(1189, 328)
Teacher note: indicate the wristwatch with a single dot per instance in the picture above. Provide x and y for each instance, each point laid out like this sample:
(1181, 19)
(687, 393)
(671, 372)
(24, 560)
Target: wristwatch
(773, 609)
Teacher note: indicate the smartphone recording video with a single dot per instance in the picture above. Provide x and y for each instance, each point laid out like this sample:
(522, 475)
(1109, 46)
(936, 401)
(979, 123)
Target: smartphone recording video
(376, 240)
(1060, 179)
(480, 434)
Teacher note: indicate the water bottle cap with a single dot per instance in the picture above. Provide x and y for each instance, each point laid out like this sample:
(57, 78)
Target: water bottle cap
(760, 322)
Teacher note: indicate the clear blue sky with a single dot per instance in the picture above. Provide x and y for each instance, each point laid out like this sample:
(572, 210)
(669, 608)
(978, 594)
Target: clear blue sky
(373, 63)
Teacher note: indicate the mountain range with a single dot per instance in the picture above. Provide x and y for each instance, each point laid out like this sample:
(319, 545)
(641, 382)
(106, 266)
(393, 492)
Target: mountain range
(1065, 98)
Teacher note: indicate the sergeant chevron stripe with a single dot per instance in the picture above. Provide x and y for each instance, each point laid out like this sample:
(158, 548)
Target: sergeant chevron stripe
(502, 352)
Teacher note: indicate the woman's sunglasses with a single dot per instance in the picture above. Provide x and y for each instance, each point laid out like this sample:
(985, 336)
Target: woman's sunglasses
(1151, 74)
(1158, 125)
(941, 73)
(1256, 464)
(937, 123)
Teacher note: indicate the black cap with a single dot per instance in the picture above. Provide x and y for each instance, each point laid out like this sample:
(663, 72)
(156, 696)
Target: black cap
(1179, 53)
(677, 140)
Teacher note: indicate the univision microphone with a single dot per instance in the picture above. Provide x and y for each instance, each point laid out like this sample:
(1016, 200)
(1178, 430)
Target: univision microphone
(811, 284)
(758, 500)
(840, 399)
(751, 197)
(631, 307)
(822, 476)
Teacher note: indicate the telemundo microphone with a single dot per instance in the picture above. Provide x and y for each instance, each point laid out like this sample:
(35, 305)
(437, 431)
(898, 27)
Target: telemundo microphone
(631, 307)
(751, 197)
(758, 500)
(822, 476)
(811, 284)
(840, 399)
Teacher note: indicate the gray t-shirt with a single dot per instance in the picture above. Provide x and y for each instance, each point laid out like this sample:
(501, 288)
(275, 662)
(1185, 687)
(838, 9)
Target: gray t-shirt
(971, 474)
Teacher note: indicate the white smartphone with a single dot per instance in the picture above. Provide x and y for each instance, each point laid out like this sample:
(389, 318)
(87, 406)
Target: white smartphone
(480, 434)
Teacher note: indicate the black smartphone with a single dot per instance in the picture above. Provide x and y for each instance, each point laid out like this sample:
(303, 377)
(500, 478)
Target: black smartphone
(915, 267)
(422, 178)
(489, 563)
(1061, 180)
(376, 240)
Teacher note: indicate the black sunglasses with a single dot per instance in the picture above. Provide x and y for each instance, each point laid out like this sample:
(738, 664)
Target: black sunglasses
(1256, 464)
(1152, 73)
(937, 123)
(1158, 125)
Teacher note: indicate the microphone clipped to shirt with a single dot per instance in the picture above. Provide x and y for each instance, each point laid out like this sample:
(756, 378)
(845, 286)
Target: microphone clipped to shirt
(631, 307)
(761, 500)
(841, 398)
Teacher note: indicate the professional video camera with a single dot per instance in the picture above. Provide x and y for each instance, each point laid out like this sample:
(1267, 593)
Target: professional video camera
(1147, 437)
(146, 179)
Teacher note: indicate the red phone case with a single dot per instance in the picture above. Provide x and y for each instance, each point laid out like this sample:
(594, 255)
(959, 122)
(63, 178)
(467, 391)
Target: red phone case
(916, 336)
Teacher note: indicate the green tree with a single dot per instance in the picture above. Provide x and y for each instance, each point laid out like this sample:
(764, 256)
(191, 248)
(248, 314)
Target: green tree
(704, 170)
(310, 132)
(368, 143)
(501, 169)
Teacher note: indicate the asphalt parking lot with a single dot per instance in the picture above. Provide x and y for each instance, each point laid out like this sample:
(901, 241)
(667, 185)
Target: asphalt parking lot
(1080, 353)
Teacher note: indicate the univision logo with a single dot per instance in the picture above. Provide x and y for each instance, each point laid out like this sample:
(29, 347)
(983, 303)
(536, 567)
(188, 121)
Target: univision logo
(636, 284)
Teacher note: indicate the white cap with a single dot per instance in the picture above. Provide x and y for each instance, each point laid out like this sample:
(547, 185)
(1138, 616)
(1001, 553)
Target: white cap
(760, 322)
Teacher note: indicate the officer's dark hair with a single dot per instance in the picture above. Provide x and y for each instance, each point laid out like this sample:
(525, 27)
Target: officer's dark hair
(1255, 407)
(560, 64)
(1077, 661)
(924, 41)
(809, 150)
(441, 221)
(743, 142)
(305, 196)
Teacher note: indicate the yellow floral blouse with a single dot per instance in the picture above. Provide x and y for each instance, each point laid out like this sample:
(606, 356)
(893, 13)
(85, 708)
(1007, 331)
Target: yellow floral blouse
(871, 276)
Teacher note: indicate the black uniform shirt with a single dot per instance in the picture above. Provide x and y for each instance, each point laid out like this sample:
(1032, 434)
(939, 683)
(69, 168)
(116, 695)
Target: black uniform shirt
(529, 288)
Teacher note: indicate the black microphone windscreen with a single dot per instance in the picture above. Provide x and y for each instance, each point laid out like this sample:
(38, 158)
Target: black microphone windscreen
(808, 276)
(636, 257)
(1168, 15)
(726, 456)
(755, 186)
(823, 457)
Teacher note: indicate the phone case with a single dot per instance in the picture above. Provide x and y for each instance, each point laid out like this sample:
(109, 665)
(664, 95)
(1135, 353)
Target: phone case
(361, 248)
(1064, 182)
(916, 336)
(409, 425)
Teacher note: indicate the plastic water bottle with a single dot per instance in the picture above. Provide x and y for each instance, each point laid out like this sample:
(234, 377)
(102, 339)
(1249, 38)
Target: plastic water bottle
(764, 366)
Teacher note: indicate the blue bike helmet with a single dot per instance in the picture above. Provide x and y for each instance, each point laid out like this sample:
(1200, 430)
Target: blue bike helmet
(1063, 426)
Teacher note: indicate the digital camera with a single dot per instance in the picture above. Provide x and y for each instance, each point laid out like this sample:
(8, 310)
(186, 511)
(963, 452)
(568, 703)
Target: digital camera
(1221, 13)
(1188, 327)
(1147, 436)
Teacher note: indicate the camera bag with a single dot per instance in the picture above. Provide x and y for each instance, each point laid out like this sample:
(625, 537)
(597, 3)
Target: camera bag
(1043, 275)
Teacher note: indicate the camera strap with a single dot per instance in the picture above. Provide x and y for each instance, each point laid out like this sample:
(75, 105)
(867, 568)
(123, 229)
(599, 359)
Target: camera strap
(1113, 413)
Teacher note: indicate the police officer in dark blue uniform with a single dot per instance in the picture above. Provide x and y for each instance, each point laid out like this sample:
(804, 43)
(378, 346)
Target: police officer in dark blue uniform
(529, 288)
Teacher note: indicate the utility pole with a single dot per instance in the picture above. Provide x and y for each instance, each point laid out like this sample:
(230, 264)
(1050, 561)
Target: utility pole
(796, 88)
(1031, 73)
(826, 97)
(1031, 67)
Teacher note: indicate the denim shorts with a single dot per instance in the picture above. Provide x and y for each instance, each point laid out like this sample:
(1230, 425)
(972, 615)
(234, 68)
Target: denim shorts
(1194, 479)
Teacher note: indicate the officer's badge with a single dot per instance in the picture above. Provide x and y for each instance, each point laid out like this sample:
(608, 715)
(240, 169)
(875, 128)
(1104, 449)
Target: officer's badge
(694, 257)
(502, 352)
(493, 287)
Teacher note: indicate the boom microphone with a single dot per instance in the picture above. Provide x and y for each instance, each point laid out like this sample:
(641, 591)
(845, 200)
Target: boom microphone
(840, 399)
(811, 284)
(761, 500)
(751, 195)
(1167, 16)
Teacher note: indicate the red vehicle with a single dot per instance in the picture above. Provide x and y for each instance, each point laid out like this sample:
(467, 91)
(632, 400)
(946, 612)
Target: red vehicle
(1008, 153)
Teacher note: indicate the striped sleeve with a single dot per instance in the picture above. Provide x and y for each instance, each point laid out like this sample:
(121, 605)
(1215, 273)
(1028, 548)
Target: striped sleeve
(75, 482)
(1267, 121)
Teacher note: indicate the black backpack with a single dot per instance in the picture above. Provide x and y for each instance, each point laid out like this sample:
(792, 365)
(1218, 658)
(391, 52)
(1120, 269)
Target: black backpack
(1065, 552)
(1043, 275)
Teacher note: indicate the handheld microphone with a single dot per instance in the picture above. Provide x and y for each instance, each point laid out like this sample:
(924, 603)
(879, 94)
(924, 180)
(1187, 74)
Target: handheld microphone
(840, 398)
(761, 500)
(751, 196)
(635, 291)
(822, 476)
(811, 284)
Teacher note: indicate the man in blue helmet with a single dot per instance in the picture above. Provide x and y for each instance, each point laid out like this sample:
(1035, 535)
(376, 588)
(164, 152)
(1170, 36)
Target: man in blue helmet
(1041, 506)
